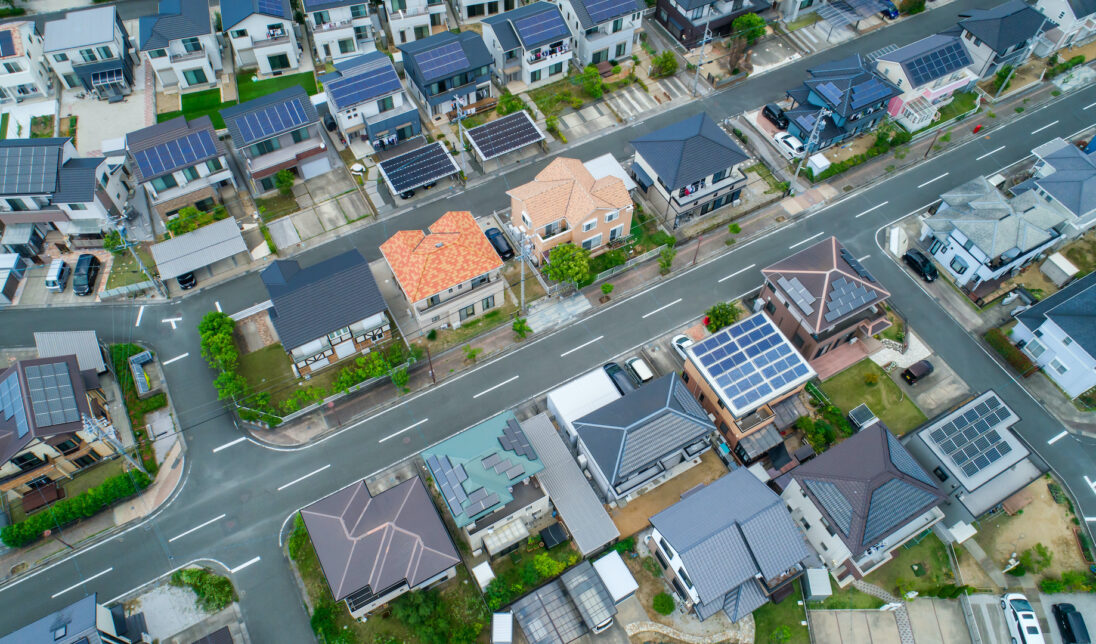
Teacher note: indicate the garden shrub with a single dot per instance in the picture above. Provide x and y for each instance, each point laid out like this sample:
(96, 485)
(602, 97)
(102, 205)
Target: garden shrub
(298, 539)
(214, 591)
(663, 603)
(1017, 359)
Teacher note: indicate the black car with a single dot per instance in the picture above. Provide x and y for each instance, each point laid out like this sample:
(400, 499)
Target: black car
(86, 274)
(921, 264)
(407, 194)
(498, 240)
(329, 122)
(917, 372)
(624, 381)
(1070, 624)
(187, 281)
(773, 114)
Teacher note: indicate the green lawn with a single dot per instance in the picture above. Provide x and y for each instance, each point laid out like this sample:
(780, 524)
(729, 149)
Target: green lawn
(196, 104)
(961, 103)
(848, 389)
(79, 484)
(125, 270)
(268, 370)
(276, 206)
(848, 598)
(250, 88)
(4, 125)
(933, 568)
(772, 622)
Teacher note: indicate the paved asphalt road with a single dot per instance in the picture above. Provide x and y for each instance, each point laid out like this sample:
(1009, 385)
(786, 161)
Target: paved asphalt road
(235, 500)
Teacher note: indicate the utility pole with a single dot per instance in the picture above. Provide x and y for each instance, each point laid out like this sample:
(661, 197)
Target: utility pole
(696, 253)
(703, 49)
(811, 143)
(1027, 55)
(929, 149)
(431, 363)
(47, 533)
(526, 249)
(103, 431)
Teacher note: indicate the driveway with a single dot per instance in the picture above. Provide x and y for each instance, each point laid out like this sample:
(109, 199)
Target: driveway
(938, 621)
(854, 626)
(98, 121)
(989, 619)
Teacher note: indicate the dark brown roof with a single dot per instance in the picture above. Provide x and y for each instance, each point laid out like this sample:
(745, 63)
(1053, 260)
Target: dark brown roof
(377, 541)
(56, 410)
(828, 277)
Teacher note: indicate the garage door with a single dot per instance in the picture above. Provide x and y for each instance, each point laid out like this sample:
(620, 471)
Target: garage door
(315, 167)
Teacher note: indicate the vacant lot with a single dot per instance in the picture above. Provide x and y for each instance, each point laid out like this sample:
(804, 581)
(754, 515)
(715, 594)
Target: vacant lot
(635, 516)
(923, 567)
(851, 387)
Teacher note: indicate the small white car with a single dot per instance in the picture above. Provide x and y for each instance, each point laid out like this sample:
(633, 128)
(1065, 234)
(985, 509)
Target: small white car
(1023, 625)
(789, 145)
(639, 369)
(681, 344)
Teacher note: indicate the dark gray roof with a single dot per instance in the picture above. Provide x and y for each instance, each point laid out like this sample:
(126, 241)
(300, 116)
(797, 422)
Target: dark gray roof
(268, 110)
(77, 619)
(1073, 309)
(233, 12)
(198, 248)
(220, 636)
(461, 52)
(868, 487)
(1006, 25)
(360, 79)
(162, 136)
(849, 85)
(611, 9)
(77, 180)
(1073, 182)
(40, 398)
(311, 302)
(320, 5)
(176, 19)
(642, 427)
(29, 166)
(589, 594)
(365, 541)
(688, 151)
(1082, 8)
(930, 58)
(517, 28)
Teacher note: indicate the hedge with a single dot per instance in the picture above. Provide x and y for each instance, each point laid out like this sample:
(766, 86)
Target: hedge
(214, 591)
(73, 509)
(1019, 361)
(1060, 68)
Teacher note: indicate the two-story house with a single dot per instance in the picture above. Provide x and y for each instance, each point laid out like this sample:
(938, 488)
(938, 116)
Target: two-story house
(602, 31)
(369, 102)
(84, 621)
(448, 70)
(531, 45)
(89, 50)
(1000, 36)
(688, 169)
(687, 20)
(180, 45)
(476, 10)
(414, 20)
(449, 273)
(262, 35)
(855, 95)
(822, 298)
(276, 132)
(179, 163)
(1065, 177)
(1059, 333)
(340, 28)
(23, 71)
(928, 72)
(860, 500)
(729, 547)
(1075, 24)
(565, 204)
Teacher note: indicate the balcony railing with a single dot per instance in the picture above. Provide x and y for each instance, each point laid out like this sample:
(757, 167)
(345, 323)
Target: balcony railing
(334, 25)
(412, 13)
(272, 38)
(464, 290)
(759, 416)
(542, 56)
(188, 55)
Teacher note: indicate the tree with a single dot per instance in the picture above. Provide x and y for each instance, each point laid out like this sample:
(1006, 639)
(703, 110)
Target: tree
(1000, 77)
(470, 352)
(606, 289)
(664, 64)
(546, 566)
(591, 82)
(400, 378)
(521, 328)
(284, 181)
(112, 241)
(910, 7)
(721, 315)
(666, 260)
(749, 26)
(230, 384)
(568, 263)
(184, 222)
(663, 603)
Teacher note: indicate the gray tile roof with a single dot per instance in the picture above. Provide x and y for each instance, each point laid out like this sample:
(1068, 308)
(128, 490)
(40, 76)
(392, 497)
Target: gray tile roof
(176, 19)
(582, 11)
(511, 35)
(77, 180)
(311, 302)
(81, 28)
(1082, 8)
(470, 43)
(1073, 181)
(232, 115)
(1007, 25)
(1073, 309)
(930, 58)
(233, 12)
(78, 618)
(198, 248)
(687, 151)
(744, 600)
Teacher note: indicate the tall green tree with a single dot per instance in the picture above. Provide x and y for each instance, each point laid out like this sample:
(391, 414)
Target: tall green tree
(568, 263)
(749, 26)
(721, 315)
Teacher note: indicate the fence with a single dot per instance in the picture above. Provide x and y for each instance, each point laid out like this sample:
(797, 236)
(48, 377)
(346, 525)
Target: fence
(638, 259)
(128, 290)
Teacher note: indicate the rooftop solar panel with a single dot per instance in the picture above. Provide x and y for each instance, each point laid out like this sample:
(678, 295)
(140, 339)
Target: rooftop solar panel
(830, 92)
(11, 404)
(540, 28)
(7, 44)
(177, 154)
(52, 399)
(602, 10)
(509, 133)
(975, 439)
(938, 63)
(418, 167)
(272, 120)
(29, 169)
(272, 7)
(867, 93)
(368, 84)
(442, 61)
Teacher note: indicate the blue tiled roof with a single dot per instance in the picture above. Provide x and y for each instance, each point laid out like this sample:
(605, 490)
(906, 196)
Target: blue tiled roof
(530, 26)
(687, 151)
(424, 57)
(233, 12)
(848, 85)
(176, 19)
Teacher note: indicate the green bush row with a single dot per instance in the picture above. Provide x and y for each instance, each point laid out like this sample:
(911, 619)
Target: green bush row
(214, 591)
(1060, 68)
(884, 141)
(1017, 359)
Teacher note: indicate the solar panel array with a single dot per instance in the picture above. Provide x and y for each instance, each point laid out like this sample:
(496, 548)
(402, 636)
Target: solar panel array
(514, 440)
(272, 120)
(855, 265)
(867, 93)
(28, 170)
(173, 155)
(542, 27)
(847, 296)
(937, 63)
(972, 440)
(419, 167)
(449, 478)
(51, 396)
(479, 500)
(7, 44)
(830, 92)
(799, 294)
(271, 7)
(441, 62)
(370, 82)
(504, 135)
(750, 362)
(602, 10)
(11, 404)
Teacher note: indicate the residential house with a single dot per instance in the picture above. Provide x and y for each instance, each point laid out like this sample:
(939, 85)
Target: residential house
(89, 51)
(485, 475)
(262, 35)
(415, 20)
(369, 102)
(981, 237)
(1059, 334)
(448, 70)
(749, 377)
(1075, 24)
(928, 71)
(822, 298)
(1065, 177)
(375, 547)
(565, 204)
(179, 163)
(43, 437)
(355, 317)
(476, 10)
(1000, 36)
(861, 500)
(279, 131)
(180, 45)
(531, 45)
(44, 186)
(340, 28)
(23, 71)
(729, 546)
(645, 438)
(688, 20)
(449, 273)
(565, 609)
(603, 31)
(689, 169)
(855, 95)
(84, 621)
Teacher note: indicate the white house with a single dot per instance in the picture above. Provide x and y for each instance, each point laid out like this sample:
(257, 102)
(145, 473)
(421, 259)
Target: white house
(262, 35)
(1000, 36)
(476, 10)
(411, 20)
(602, 31)
(928, 72)
(1065, 177)
(1075, 24)
(369, 101)
(180, 45)
(1059, 334)
(340, 28)
(89, 51)
(531, 45)
(23, 71)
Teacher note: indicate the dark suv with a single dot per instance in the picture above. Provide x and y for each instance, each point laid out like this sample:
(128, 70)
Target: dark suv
(1070, 624)
(921, 264)
(624, 381)
(773, 114)
(86, 274)
(498, 240)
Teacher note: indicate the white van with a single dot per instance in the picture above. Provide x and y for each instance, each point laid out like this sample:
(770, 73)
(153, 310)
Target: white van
(57, 275)
(639, 369)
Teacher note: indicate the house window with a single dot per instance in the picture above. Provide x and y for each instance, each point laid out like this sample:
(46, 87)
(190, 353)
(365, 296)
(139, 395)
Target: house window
(192, 44)
(534, 76)
(385, 104)
(105, 52)
(301, 135)
(400, 5)
(69, 445)
(157, 53)
(621, 50)
(616, 233)
(488, 303)
(698, 13)
(77, 206)
(554, 69)
(467, 312)
(191, 173)
(321, 17)
(346, 46)
(159, 184)
(719, 176)
(525, 220)
(618, 24)
(265, 147)
(1035, 348)
(238, 33)
(13, 68)
(278, 62)
(612, 216)
(60, 58)
(86, 460)
(592, 242)
(266, 183)
(359, 11)
(589, 225)
(1057, 365)
(433, 300)
(969, 244)
(214, 165)
(34, 484)
(685, 376)
(195, 76)
(88, 55)
(806, 526)
(958, 265)
(1067, 340)
(27, 461)
(683, 577)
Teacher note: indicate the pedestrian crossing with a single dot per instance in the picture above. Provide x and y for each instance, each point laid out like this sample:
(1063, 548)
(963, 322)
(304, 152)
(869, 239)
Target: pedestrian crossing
(632, 101)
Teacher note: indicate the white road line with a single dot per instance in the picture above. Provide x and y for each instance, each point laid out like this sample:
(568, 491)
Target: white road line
(140, 312)
(167, 362)
(299, 479)
(1044, 127)
(1090, 519)
(863, 258)
(244, 565)
(1088, 106)
(806, 240)
(871, 209)
(172, 322)
(403, 430)
(738, 272)
(581, 346)
(1091, 484)
(230, 444)
(218, 305)
(1058, 437)
(490, 389)
(197, 527)
(662, 308)
(990, 152)
(75, 586)
(931, 180)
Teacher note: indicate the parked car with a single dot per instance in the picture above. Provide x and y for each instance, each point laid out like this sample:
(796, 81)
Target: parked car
(889, 10)
(917, 371)
(681, 344)
(1023, 625)
(329, 122)
(86, 274)
(624, 381)
(57, 275)
(921, 264)
(1071, 625)
(498, 240)
(639, 369)
(775, 115)
(407, 194)
(789, 145)
(187, 281)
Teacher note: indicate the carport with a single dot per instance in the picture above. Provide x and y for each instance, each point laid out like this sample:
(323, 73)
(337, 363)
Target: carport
(217, 242)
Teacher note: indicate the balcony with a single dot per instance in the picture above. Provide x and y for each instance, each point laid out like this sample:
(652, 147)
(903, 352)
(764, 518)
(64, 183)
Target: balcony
(688, 195)
(755, 418)
(406, 108)
(553, 234)
(543, 55)
(272, 38)
(188, 55)
(285, 154)
(334, 25)
(413, 13)
(471, 287)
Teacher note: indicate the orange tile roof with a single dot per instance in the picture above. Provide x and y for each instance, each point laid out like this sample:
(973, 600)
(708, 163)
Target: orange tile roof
(452, 251)
(566, 190)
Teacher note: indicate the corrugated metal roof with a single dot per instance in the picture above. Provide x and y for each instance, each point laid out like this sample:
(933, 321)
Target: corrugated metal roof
(83, 344)
(202, 247)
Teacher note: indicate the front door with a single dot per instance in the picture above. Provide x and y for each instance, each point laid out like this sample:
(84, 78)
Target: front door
(327, 50)
(600, 56)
